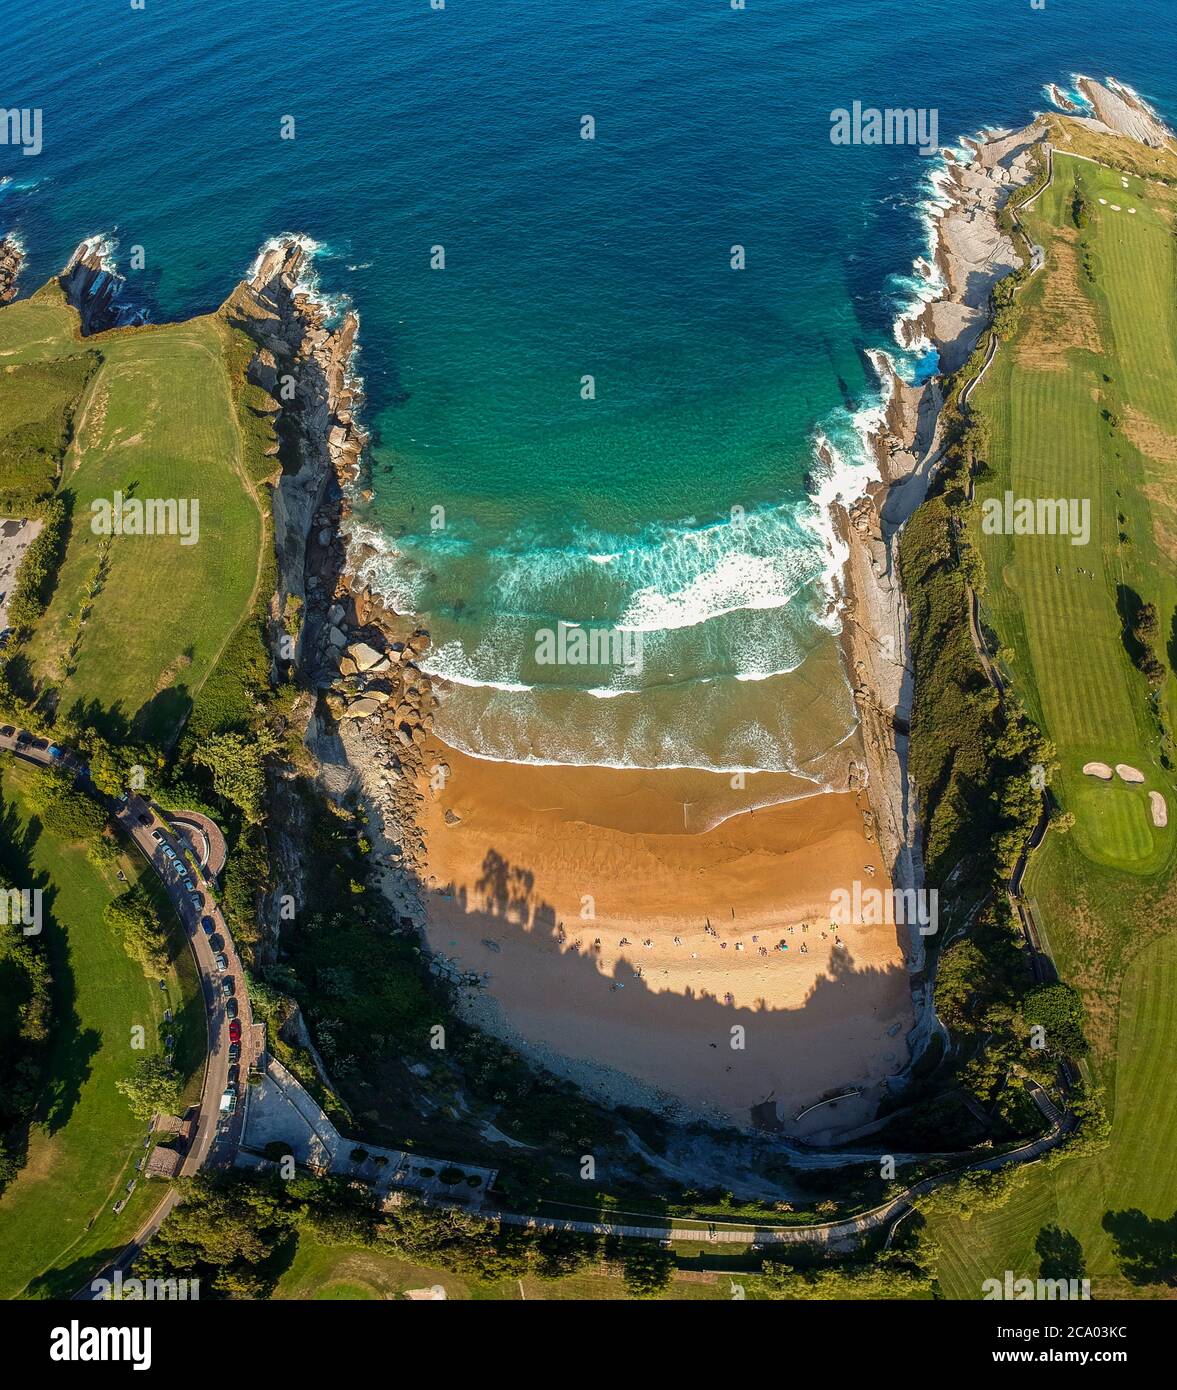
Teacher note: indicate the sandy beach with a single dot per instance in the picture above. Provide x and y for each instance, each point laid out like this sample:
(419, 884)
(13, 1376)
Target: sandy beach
(611, 936)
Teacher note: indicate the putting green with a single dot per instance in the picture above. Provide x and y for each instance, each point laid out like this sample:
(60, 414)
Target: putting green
(1113, 825)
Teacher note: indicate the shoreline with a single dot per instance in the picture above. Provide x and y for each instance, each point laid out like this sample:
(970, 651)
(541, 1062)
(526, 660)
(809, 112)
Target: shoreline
(363, 660)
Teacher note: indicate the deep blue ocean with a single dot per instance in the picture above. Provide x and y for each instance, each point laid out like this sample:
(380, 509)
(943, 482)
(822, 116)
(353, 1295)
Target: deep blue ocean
(676, 502)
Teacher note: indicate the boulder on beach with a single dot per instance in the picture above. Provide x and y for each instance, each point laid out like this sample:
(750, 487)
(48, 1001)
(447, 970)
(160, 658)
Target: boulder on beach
(1129, 774)
(360, 709)
(1100, 770)
(1160, 810)
(364, 656)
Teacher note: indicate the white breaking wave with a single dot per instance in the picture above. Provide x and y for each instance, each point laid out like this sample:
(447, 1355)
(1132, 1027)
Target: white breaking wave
(734, 583)
(307, 283)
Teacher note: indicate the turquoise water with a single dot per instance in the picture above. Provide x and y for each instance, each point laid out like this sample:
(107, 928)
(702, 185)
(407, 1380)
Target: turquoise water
(676, 504)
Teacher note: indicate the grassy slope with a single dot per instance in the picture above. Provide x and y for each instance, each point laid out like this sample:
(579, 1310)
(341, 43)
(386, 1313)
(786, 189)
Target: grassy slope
(1135, 1171)
(1105, 893)
(38, 329)
(159, 413)
(86, 1142)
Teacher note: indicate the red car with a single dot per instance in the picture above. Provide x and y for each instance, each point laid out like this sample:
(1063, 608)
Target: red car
(235, 1031)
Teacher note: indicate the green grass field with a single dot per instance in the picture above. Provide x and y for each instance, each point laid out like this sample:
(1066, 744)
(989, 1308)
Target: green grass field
(158, 418)
(1085, 348)
(56, 1220)
(331, 1272)
(1097, 333)
(342, 1272)
(1079, 1196)
(37, 329)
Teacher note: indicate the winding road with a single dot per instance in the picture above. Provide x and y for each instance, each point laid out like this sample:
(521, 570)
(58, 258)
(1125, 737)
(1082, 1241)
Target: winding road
(214, 1141)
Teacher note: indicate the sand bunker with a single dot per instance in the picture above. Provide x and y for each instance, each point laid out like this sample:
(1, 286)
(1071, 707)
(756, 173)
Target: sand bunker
(1098, 770)
(1129, 774)
(1160, 810)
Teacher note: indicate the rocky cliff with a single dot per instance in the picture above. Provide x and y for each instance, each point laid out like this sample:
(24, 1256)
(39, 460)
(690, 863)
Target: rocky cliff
(92, 286)
(373, 706)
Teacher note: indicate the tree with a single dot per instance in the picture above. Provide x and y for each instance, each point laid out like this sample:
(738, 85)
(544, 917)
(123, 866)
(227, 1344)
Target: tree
(153, 1088)
(133, 919)
(646, 1268)
(1058, 1010)
(237, 764)
(115, 767)
(62, 808)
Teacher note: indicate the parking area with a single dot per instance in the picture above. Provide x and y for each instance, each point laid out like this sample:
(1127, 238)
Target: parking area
(234, 1046)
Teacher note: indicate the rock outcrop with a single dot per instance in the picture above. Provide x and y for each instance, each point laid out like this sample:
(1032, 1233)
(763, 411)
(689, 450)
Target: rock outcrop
(11, 259)
(303, 365)
(1121, 111)
(92, 286)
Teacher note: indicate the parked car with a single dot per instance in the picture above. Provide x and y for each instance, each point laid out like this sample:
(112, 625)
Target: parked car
(229, 1101)
(234, 1074)
(24, 737)
(145, 819)
(227, 986)
(231, 1010)
(234, 1028)
(169, 852)
(208, 925)
(56, 753)
(217, 942)
(40, 744)
(7, 731)
(157, 836)
(234, 1052)
(196, 900)
(220, 961)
